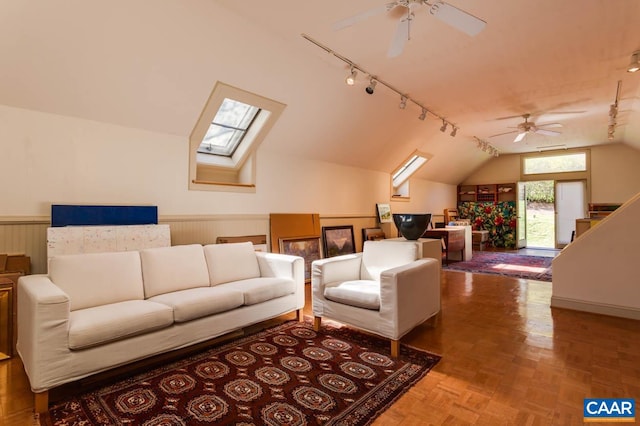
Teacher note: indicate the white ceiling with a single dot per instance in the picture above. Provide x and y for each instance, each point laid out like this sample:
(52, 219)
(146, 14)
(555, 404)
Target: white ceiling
(152, 67)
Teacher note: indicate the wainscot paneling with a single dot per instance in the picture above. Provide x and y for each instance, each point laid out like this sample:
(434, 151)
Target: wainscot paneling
(28, 235)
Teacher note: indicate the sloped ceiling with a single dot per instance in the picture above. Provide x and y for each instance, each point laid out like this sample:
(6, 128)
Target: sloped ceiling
(152, 65)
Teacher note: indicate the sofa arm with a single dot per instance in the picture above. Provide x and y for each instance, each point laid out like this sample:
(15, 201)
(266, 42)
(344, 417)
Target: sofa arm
(281, 265)
(410, 294)
(43, 324)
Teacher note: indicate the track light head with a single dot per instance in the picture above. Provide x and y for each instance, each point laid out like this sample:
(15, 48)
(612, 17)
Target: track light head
(423, 115)
(634, 64)
(371, 87)
(443, 128)
(351, 78)
(454, 131)
(403, 102)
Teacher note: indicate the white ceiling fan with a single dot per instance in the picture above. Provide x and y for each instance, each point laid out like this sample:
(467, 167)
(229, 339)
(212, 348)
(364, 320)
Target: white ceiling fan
(447, 13)
(530, 127)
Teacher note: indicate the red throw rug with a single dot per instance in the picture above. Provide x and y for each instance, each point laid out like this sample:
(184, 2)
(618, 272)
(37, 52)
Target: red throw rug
(506, 264)
(286, 375)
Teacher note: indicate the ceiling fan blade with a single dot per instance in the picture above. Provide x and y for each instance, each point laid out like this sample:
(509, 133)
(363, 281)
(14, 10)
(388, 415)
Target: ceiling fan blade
(562, 112)
(547, 132)
(509, 117)
(352, 20)
(520, 136)
(505, 133)
(399, 38)
(549, 125)
(457, 18)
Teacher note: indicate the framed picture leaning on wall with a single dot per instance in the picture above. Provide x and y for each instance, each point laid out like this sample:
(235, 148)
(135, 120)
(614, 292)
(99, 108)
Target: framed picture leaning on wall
(384, 213)
(338, 240)
(305, 247)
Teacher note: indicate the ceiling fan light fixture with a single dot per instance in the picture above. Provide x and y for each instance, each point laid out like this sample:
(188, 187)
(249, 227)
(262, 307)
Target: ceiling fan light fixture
(634, 64)
(351, 78)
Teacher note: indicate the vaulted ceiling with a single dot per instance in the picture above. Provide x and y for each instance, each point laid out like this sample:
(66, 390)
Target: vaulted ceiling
(152, 65)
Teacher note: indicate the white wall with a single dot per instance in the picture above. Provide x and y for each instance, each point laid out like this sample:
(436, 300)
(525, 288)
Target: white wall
(598, 271)
(615, 173)
(47, 159)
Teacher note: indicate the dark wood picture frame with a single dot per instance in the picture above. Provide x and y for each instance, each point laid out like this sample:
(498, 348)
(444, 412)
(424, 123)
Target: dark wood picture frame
(338, 240)
(308, 248)
(372, 234)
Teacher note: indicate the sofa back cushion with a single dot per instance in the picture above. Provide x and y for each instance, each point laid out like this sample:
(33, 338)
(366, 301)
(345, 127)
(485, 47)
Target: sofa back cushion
(231, 262)
(378, 256)
(167, 269)
(94, 279)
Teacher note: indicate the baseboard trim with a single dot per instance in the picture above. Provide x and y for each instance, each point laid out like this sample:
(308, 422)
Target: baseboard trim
(595, 308)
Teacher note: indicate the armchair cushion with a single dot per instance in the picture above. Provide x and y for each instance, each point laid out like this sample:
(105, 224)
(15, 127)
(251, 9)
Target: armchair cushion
(378, 256)
(360, 293)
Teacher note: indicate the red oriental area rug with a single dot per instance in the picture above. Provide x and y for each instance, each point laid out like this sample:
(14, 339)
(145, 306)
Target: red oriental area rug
(285, 375)
(506, 264)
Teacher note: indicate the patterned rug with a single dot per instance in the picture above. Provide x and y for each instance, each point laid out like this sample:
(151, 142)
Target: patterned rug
(285, 375)
(506, 264)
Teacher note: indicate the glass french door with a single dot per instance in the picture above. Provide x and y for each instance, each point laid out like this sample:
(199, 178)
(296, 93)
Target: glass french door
(571, 204)
(521, 211)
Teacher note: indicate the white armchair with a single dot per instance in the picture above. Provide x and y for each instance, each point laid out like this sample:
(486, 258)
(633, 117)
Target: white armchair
(383, 290)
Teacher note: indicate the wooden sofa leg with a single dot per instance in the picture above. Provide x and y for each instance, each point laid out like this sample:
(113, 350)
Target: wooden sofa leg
(300, 315)
(316, 323)
(395, 348)
(41, 402)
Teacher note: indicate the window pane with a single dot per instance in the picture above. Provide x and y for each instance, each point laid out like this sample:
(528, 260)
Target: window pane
(235, 114)
(228, 128)
(556, 164)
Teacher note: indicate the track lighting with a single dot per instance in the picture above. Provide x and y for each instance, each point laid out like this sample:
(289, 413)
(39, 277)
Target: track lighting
(613, 113)
(373, 80)
(371, 87)
(486, 147)
(634, 64)
(351, 78)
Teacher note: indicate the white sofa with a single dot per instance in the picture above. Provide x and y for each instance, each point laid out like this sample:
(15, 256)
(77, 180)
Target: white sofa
(93, 312)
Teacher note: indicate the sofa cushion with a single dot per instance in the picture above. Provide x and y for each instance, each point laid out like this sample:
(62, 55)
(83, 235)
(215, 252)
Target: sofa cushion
(359, 293)
(95, 279)
(257, 290)
(169, 269)
(378, 256)
(199, 302)
(231, 262)
(115, 321)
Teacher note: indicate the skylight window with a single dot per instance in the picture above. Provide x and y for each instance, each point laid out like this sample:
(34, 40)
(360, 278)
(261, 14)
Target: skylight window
(400, 177)
(228, 128)
(224, 142)
(408, 168)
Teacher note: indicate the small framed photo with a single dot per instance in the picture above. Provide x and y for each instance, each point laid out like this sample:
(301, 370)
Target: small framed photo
(384, 213)
(305, 247)
(338, 240)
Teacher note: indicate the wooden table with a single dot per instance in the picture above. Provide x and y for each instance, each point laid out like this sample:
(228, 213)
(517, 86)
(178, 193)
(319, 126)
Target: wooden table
(453, 240)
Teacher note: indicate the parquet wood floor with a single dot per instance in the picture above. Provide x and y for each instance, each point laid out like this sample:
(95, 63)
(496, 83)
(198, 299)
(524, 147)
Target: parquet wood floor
(508, 359)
